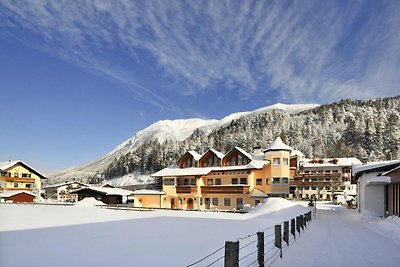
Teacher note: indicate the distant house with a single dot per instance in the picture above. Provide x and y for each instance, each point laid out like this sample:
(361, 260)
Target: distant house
(17, 196)
(105, 194)
(19, 176)
(61, 192)
(378, 188)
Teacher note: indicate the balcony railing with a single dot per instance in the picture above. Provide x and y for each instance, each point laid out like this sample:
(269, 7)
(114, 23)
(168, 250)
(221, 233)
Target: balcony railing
(225, 189)
(315, 183)
(17, 179)
(186, 189)
(329, 175)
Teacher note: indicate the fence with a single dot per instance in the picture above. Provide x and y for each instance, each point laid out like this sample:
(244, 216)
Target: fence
(258, 249)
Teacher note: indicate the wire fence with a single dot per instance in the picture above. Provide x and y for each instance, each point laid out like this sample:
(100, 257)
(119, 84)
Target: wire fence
(262, 248)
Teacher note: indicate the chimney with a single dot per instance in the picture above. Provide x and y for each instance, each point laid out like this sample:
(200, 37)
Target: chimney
(257, 150)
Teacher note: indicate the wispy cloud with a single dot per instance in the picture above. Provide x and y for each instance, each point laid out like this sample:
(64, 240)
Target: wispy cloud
(297, 51)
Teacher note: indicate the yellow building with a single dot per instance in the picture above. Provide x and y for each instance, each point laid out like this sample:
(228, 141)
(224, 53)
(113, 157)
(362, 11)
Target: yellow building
(17, 175)
(227, 182)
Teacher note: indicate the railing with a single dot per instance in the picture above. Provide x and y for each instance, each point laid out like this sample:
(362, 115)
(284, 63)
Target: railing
(315, 183)
(225, 189)
(186, 189)
(303, 175)
(17, 179)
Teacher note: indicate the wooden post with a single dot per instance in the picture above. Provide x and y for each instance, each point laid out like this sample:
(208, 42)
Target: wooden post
(302, 222)
(260, 247)
(293, 228)
(278, 238)
(286, 232)
(231, 254)
(305, 220)
(298, 224)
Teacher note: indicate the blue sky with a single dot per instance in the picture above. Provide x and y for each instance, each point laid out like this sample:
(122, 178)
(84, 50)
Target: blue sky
(80, 77)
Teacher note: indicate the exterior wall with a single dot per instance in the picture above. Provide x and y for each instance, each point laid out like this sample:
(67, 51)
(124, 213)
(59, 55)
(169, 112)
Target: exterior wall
(278, 170)
(21, 198)
(150, 201)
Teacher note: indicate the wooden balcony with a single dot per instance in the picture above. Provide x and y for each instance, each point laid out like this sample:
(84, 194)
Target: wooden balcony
(321, 175)
(316, 183)
(17, 179)
(186, 189)
(225, 189)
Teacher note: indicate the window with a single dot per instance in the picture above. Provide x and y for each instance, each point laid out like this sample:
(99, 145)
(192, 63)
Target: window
(313, 188)
(169, 181)
(16, 174)
(28, 186)
(285, 161)
(285, 180)
(215, 201)
(243, 180)
(257, 201)
(267, 181)
(227, 202)
(193, 181)
(342, 188)
(276, 180)
(259, 181)
(218, 181)
(234, 180)
(185, 181)
(15, 185)
(276, 161)
(26, 175)
(209, 181)
(201, 201)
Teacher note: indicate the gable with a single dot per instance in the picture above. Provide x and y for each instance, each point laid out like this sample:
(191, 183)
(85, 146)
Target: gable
(235, 157)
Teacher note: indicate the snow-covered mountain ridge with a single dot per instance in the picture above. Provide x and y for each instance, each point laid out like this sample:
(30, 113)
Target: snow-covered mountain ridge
(175, 130)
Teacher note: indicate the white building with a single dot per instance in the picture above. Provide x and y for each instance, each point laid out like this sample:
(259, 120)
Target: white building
(61, 192)
(378, 188)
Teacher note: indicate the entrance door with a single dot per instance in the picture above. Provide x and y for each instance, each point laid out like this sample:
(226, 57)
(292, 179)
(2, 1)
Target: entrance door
(207, 202)
(190, 204)
(173, 203)
(239, 203)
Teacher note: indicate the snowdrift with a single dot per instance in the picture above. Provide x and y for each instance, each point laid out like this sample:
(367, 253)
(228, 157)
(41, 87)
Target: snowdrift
(89, 202)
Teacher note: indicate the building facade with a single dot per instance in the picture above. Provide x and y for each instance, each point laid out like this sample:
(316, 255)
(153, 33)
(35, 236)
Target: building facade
(62, 192)
(18, 176)
(324, 179)
(228, 181)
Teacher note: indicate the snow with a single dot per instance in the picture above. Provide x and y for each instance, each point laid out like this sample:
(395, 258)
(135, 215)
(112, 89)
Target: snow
(102, 237)
(89, 202)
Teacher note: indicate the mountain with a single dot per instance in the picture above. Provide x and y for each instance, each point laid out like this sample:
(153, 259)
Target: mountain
(165, 131)
(366, 129)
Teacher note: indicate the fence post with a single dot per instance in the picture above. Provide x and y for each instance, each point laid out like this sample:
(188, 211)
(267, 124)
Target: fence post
(309, 215)
(305, 220)
(231, 254)
(302, 222)
(286, 232)
(260, 247)
(293, 228)
(278, 238)
(298, 224)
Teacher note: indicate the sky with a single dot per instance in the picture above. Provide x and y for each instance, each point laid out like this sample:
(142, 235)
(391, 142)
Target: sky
(77, 78)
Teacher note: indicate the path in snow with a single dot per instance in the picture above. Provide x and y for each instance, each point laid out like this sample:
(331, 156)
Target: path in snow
(338, 237)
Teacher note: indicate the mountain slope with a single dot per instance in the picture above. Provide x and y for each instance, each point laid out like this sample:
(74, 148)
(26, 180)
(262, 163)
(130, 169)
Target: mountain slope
(162, 131)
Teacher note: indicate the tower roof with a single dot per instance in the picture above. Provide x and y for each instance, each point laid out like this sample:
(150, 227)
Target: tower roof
(278, 145)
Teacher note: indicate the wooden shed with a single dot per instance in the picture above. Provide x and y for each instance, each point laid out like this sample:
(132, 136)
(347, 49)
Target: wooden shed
(17, 196)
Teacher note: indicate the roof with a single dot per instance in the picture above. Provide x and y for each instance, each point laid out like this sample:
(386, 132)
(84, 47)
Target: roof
(65, 183)
(5, 165)
(174, 171)
(296, 152)
(148, 192)
(106, 190)
(258, 193)
(10, 193)
(392, 170)
(195, 155)
(278, 145)
(381, 166)
(243, 152)
(217, 153)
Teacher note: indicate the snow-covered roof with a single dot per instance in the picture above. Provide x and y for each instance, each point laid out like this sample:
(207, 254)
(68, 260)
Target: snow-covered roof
(374, 166)
(278, 145)
(372, 179)
(10, 193)
(8, 164)
(258, 193)
(148, 192)
(296, 152)
(348, 161)
(65, 183)
(195, 155)
(243, 152)
(106, 190)
(321, 165)
(173, 171)
(217, 153)
(328, 162)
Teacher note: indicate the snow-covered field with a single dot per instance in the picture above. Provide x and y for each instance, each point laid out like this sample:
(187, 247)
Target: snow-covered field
(38, 235)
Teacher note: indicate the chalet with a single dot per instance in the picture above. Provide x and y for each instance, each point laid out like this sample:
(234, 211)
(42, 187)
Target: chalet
(61, 192)
(107, 195)
(378, 188)
(19, 176)
(227, 181)
(324, 178)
